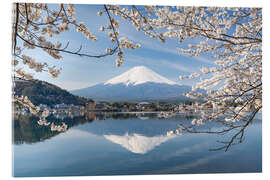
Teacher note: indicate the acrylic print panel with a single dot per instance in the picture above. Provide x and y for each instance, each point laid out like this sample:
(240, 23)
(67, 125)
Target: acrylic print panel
(136, 90)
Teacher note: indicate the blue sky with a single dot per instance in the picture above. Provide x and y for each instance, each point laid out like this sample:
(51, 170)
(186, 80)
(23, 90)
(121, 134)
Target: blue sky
(79, 72)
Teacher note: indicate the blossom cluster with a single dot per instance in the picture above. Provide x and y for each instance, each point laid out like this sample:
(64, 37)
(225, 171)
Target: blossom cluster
(49, 47)
(59, 128)
(27, 103)
(43, 122)
(178, 131)
(23, 74)
(32, 64)
(83, 29)
(53, 127)
(54, 72)
(113, 28)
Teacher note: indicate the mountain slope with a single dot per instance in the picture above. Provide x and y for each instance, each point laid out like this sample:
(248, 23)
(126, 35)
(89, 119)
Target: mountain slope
(41, 92)
(139, 83)
(145, 91)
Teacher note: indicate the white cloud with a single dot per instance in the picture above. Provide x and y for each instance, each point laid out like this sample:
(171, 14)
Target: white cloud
(156, 45)
(152, 44)
(160, 63)
(179, 67)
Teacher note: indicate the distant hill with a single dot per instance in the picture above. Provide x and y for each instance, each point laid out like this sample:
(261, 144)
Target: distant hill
(41, 92)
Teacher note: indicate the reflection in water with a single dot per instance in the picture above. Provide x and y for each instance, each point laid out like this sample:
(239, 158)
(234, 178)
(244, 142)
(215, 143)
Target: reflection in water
(29, 128)
(26, 130)
(136, 143)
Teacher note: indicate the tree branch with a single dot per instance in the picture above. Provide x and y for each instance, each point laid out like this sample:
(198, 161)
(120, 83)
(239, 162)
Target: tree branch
(69, 52)
(15, 28)
(114, 32)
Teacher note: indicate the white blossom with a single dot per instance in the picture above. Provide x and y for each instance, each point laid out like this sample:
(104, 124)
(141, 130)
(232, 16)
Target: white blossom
(99, 13)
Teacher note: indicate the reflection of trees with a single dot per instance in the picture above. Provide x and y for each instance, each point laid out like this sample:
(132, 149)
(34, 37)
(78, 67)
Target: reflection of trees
(235, 130)
(27, 130)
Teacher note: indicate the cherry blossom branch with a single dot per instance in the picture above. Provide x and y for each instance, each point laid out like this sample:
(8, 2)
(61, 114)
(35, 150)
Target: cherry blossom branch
(240, 132)
(113, 28)
(69, 52)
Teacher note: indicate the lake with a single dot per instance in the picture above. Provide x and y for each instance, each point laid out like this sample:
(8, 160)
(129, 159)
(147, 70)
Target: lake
(128, 144)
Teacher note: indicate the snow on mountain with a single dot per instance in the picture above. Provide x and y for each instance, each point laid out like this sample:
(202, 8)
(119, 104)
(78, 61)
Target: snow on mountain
(138, 83)
(137, 143)
(139, 75)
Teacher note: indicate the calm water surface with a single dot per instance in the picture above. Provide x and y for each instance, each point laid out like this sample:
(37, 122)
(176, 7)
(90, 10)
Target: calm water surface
(128, 144)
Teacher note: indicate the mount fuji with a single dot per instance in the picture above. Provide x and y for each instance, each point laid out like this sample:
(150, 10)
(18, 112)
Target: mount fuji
(137, 84)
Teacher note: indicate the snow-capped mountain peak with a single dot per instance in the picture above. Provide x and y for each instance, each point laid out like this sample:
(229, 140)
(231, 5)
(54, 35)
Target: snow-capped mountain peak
(139, 75)
(136, 84)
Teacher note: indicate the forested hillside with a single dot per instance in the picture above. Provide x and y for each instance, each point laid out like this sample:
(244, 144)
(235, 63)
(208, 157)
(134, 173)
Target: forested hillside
(41, 92)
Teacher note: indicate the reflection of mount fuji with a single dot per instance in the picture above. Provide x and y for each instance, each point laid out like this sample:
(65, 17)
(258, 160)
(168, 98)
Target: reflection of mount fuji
(135, 135)
(137, 143)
